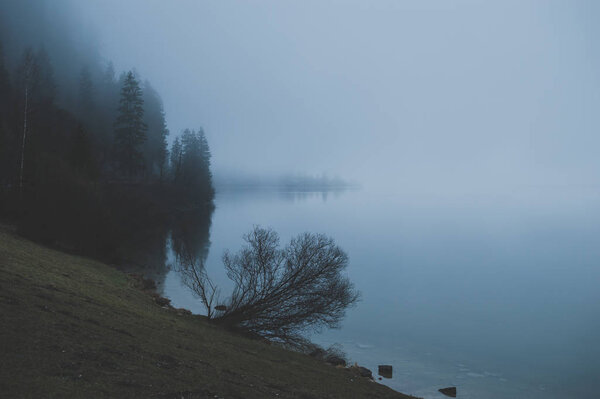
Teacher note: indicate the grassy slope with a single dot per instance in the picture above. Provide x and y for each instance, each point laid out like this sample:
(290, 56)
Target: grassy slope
(74, 327)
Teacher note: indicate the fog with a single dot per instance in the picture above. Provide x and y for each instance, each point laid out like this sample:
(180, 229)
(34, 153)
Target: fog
(414, 93)
(141, 131)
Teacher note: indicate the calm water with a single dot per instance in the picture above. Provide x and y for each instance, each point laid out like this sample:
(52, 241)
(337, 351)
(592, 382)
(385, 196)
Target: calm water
(497, 294)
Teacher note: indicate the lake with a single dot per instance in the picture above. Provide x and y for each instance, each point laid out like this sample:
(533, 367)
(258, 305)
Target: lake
(496, 293)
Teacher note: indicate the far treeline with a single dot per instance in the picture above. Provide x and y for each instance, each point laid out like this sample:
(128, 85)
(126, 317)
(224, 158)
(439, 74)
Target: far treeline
(89, 173)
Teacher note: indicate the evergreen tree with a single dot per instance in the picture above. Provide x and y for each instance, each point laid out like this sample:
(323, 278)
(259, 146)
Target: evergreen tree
(80, 154)
(107, 99)
(5, 89)
(130, 129)
(191, 157)
(108, 91)
(109, 75)
(7, 144)
(155, 148)
(27, 75)
(176, 158)
(194, 169)
(86, 94)
(46, 85)
(206, 175)
(35, 77)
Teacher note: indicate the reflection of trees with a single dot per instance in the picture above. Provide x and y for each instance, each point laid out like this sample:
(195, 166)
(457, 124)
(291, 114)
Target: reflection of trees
(146, 252)
(190, 241)
(300, 196)
(190, 235)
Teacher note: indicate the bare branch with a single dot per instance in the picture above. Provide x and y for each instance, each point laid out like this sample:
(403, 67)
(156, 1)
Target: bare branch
(281, 293)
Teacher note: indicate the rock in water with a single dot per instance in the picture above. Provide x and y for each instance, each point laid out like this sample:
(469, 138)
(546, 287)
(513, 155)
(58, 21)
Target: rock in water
(450, 391)
(385, 370)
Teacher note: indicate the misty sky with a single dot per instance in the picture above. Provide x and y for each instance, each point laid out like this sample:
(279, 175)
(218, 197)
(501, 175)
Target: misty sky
(412, 92)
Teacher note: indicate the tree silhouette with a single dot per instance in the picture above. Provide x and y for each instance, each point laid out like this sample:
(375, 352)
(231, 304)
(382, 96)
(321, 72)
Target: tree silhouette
(279, 293)
(176, 158)
(155, 148)
(190, 163)
(130, 129)
(7, 138)
(86, 94)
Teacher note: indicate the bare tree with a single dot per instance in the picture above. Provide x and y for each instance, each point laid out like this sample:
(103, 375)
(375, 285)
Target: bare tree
(195, 277)
(281, 293)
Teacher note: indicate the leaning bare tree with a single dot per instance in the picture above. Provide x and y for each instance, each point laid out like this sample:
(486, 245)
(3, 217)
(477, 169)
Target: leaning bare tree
(195, 277)
(281, 293)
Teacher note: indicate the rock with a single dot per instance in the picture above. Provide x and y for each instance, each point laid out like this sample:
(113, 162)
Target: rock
(365, 372)
(361, 371)
(161, 301)
(182, 311)
(142, 283)
(385, 370)
(148, 284)
(335, 360)
(450, 391)
(317, 353)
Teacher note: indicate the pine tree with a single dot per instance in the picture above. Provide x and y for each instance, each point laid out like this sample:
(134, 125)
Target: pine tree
(194, 172)
(130, 129)
(204, 151)
(191, 158)
(4, 80)
(163, 151)
(47, 84)
(206, 175)
(86, 94)
(106, 104)
(80, 154)
(7, 148)
(155, 148)
(176, 157)
(108, 90)
(109, 75)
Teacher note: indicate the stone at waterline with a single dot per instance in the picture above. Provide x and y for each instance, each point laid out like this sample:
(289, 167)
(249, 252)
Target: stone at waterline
(365, 372)
(450, 391)
(361, 371)
(335, 360)
(161, 301)
(385, 370)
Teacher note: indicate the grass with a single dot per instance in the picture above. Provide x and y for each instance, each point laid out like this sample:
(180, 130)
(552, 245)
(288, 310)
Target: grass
(72, 327)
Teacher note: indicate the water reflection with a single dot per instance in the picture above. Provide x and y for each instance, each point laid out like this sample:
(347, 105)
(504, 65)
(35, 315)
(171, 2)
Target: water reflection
(285, 193)
(494, 294)
(190, 235)
(153, 253)
(301, 196)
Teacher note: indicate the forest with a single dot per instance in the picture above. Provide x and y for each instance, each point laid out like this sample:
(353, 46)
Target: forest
(85, 163)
